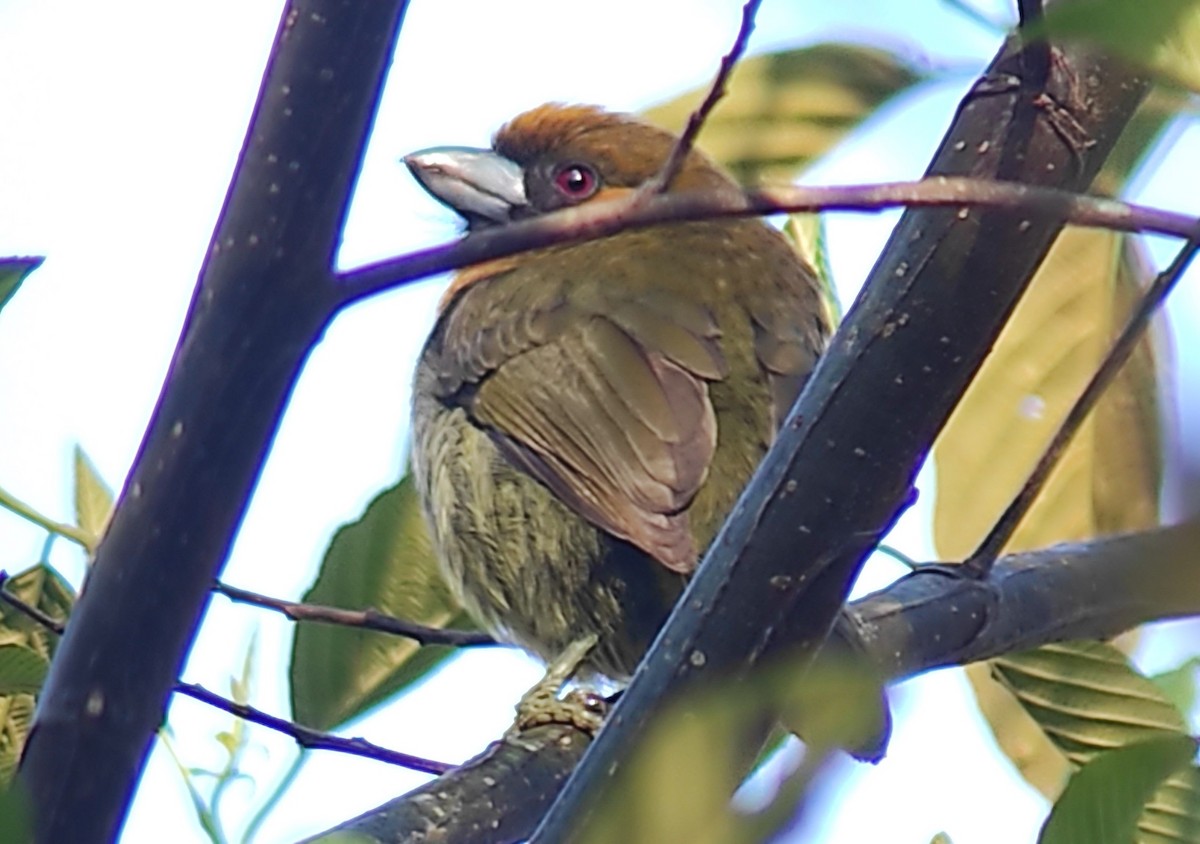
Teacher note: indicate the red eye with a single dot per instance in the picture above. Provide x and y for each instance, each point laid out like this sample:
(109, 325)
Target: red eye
(576, 181)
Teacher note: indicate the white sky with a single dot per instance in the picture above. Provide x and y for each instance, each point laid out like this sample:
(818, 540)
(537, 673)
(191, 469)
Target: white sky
(122, 125)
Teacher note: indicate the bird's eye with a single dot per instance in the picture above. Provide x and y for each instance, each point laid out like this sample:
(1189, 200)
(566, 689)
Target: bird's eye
(576, 181)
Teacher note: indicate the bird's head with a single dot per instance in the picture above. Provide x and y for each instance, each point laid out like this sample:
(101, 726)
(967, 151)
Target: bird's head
(552, 157)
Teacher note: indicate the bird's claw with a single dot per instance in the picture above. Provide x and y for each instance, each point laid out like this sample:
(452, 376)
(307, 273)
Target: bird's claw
(542, 705)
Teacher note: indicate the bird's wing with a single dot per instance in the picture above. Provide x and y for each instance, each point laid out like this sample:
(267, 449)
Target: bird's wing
(607, 405)
(789, 334)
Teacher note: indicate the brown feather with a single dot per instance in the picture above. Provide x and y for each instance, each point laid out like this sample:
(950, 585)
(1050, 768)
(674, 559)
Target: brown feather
(474, 274)
(586, 414)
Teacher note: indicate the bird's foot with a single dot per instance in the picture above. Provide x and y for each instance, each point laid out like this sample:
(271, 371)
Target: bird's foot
(542, 705)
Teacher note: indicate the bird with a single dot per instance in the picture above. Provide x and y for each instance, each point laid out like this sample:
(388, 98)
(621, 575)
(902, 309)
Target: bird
(585, 415)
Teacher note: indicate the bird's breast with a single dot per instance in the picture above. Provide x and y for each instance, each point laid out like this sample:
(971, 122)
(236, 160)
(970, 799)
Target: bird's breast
(524, 565)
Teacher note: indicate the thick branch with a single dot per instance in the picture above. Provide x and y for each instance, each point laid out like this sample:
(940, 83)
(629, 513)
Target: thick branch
(1088, 590)
(926, 620)
(843, 464)
(265, 294)
(498, 796)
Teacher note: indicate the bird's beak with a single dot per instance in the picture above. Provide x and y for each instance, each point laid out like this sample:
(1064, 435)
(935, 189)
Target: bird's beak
(477, 183)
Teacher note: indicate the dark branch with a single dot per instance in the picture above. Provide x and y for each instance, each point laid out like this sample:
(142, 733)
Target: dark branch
(497, 796)
(929, 619)
(1084, 590)
(1030, 11)
(312, 739)
(844, 461)
(1148, 304)
(596, 220)
(264, 297)
(365, 619)
(266, 294)
(49, 622)
(1037, 54)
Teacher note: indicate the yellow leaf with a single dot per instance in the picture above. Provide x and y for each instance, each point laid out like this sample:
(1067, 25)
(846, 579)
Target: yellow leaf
(93, 498)
(1050, 348)
(1107, 481)
(1162, 36)
(784, 109)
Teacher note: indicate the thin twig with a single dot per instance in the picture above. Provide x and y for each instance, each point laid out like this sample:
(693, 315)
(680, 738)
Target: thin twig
(595, 220)
(687, 139)
(312, 739)
(48, 621)
(366, 619)
(304, 736)
(980, 563)
(898, 555)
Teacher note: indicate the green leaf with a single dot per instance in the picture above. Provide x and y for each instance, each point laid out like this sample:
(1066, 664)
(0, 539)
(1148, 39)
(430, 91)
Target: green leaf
(837, 703)
(93, 498)
(706, 736)
(783, 110)
(1161, 106)
(16, 821)
(12, 272)
(1162, 36)
(45, 589)
(1103, 801)
(240, 687)
(806, 231)
(1173, 813)
(1179, 684)
(1087, 699)
(385, 561)
(16, 720)
(26, 648)
(22, 670)
(205, 817)
(711, 733)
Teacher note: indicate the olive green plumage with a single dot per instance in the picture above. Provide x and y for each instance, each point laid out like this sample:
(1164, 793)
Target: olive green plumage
(586, 415)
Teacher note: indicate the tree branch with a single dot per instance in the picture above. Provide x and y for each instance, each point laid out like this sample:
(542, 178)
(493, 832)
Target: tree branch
(928, 619)
(365, 619)
(312, 739)
(264, 296)
(595, 220)
(844, 461)
(496, 797)
(1083, 590)
(304, 736)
